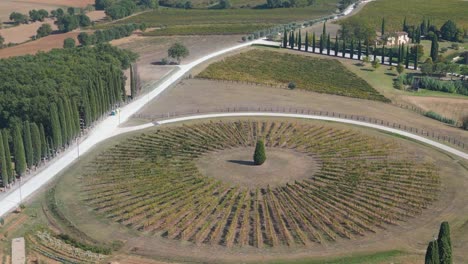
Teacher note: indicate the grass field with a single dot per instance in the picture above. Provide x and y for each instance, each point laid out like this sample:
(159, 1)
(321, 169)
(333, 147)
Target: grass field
(226, 20)
(394, 11)
(313, 74)
(207, 29)
(380, 257)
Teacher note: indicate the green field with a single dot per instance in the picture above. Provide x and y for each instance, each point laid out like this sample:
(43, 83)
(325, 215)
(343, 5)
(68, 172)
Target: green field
(228, 21)
(394, 11)
(269, 67)
(208, 29)
(379, 257)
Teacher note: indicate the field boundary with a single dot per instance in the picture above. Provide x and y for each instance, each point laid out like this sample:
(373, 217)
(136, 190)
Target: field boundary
(309, 113)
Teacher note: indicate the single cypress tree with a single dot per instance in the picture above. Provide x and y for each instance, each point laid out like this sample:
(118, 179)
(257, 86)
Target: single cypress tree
(359, 49)
(44, 145)
(337, 45)
(27, 142)
(367, 49)
(445, 244)
(259, 154)
(407, 57)
(36, 143)
(299, 41)
(399, 54)
(63, 123)
(434, 49)
(375, 51)
(432, 254)
(344, 48)
(313, 42)
(324, 29)
(418, 35)
(321, 44)
(69, 119)
(75, 116)
(383, 26)
(402, 52)
(390, 56)
(405, 27)
(9, 164)
(307, 42)
(351, 51)
(416, 58)
(383, 54)
(55, 125)
(3, 166)
(285, 39)
(20, 156)
(328, 44)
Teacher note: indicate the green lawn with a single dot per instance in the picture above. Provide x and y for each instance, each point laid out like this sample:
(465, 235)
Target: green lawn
(308, 73)
(394, 11)
(228, 21)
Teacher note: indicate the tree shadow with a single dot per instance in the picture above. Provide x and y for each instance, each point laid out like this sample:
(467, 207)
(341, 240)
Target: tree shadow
(391, 74)
(243, 162)
(369, 70)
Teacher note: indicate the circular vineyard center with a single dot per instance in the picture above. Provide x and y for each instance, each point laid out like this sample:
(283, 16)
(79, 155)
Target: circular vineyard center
(236, 166)
(320, 183)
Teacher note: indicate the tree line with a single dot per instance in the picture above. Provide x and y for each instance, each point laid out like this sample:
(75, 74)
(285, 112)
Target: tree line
(44, 106)
(117, 9)
(116, 32)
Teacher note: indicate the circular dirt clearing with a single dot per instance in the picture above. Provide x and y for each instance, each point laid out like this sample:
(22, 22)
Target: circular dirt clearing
(236, 166)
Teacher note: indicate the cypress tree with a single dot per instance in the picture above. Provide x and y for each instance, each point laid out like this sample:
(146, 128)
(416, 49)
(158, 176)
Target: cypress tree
(351, 55)
(55, 126)
(85, 107)
(307, 42)
(402, 52)
(20, 156)
(27, 142)
(359, 50)
(344, 48)
(328, 44)
(285, 39)
(337, 45)
(299, 41)
(321, 44)
(390, 56)
(367, 49)
(418, 36)
(68, 118)
(3, 166)
(313, 43)
(399, 54)
(434, 48)
(405, 27)
(63, 123)
(75, 116)
(259, 154)
(444, 244)
(44, 145)
(432, 254)
(324, 30)
(375, 51)
(383, 53)
(383, 26)
(407, 58)
(36, 143)
(6, 147)
(416, 58)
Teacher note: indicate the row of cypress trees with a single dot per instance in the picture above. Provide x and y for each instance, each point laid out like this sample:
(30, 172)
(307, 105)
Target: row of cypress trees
(85, 89)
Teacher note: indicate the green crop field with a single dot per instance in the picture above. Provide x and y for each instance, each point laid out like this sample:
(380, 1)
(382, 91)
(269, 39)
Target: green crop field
(394, 11)
(208, 29)
(308, 73)
(232, 19)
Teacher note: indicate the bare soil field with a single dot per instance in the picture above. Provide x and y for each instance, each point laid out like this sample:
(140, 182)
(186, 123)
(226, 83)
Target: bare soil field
(23, 33)
(153, 49)
(42, 44)
(203, 95)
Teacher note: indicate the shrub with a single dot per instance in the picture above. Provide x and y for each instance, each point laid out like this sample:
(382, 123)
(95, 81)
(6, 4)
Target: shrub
(292, 85)
(465, 122)
(259, 154)
(440, 118)
(69, 43)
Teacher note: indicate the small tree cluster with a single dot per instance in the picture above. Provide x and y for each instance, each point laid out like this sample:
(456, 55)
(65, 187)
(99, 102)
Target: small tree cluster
(102, 36)
(440, 251)
(38, 15)
(44, 30)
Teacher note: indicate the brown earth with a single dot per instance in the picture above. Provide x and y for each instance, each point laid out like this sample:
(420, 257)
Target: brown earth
(42, 44)
(23, 33)
(235, 166)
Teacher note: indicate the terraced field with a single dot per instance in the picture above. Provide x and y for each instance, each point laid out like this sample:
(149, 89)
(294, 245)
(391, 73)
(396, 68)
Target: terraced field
(151, 183)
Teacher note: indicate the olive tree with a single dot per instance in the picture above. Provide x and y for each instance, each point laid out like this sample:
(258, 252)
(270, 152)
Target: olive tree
(178, 51)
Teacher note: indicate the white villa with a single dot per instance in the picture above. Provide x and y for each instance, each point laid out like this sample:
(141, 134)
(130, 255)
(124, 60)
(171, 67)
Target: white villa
(397, 38)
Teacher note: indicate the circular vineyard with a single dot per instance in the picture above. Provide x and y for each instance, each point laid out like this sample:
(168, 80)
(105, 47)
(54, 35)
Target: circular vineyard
(152, 183)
